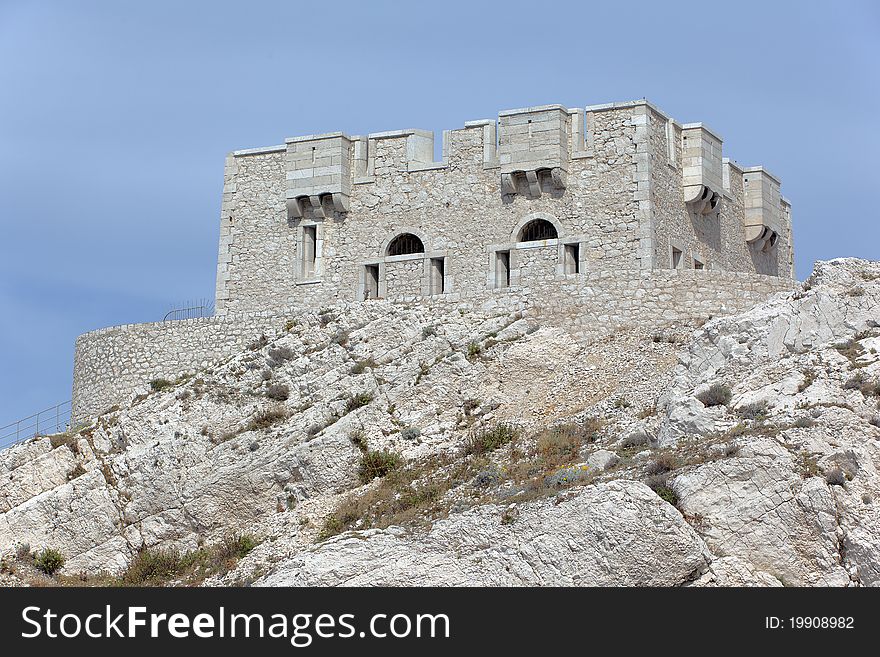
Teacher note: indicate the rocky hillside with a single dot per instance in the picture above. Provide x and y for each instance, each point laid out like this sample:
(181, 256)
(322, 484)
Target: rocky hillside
(395, 444)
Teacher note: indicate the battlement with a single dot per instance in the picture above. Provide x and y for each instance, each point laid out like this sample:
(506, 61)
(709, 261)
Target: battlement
(612, 186)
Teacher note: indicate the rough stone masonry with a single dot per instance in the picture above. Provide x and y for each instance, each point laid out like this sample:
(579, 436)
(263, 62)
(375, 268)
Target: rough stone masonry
(615, 213)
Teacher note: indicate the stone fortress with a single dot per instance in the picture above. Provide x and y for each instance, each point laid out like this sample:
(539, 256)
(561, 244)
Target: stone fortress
(610, 214)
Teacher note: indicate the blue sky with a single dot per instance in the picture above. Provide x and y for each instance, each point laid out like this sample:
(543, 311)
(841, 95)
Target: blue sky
(115, 118)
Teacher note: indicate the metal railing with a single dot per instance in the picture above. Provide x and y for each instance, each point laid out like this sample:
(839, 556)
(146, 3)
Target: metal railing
(51, 420)
(191, 310)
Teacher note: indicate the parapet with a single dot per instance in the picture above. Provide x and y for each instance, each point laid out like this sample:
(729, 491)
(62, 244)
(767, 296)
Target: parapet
(763, 207)
(318, 174)
(533, 150)
(701, 168)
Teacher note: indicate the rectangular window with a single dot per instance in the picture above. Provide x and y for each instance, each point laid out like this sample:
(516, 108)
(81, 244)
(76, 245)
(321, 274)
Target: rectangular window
(502, 269)
(371, 282)
(309, 250)
(676, 258)
(698, 264)
(438, 267)
(572, 259)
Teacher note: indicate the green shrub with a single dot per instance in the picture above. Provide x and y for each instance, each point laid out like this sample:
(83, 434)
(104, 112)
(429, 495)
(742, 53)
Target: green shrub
(358, 439)
(48, 561)
(152, 567)
(487, 440)
(662, 463)
(410, 433)
(266, 418)
(377, 464)
(357, 400)
(157, 385)
(473, 350)
(718, 394)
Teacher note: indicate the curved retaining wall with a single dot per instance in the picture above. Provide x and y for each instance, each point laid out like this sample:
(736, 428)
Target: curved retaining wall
(110, 363)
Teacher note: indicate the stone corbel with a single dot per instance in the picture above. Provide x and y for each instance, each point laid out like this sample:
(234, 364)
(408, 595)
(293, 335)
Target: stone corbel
(557, 176)
(702, 200)
(762, 238)
(534, 184)
(294, 208)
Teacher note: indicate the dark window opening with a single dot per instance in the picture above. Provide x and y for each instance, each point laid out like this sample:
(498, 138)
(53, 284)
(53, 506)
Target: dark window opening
(676, 258)
(502, 269)
(572, 259)
(698, 264)
(371, 282)
(309, 250)
(538, 230)
(438, 267)
(405, 244)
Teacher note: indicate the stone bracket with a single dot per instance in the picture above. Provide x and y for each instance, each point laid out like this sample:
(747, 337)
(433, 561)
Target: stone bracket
(702, 200)
(530, 183)
(321, 205)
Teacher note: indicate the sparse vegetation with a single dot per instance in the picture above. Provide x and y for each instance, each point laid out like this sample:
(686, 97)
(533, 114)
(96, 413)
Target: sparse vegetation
(278, 392)
(361, 365)
(482, 441)
(804, 422)
(259, 343)
(718, 394)
(662, 463)
(809, 377)
(158, 385)
(410, 433)
(161, 567)
(473, 350)
(280, 355)
(428, 331)
(359, 439)
(48, 561)
(660, 485)
(376, 464)
(357, 400)
(266, 418)
(754, 411)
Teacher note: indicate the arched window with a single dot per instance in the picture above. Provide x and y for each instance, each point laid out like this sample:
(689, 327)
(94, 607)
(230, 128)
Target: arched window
(537, 230)
(404, 244)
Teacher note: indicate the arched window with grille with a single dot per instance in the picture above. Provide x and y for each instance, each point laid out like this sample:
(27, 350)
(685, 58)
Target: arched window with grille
(537, 230)
(404, 244)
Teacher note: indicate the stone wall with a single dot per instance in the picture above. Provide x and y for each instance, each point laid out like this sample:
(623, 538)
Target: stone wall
(111, 363)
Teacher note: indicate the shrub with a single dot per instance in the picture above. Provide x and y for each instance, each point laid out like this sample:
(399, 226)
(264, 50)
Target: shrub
(660, 485)
(266, 418)
(357, 400)
(835, 477)
(259, 343)
(804, 422)
(358, 439)
(621, 402)
(486, 478)
(278, 392)
(289, 324)
(665, 462)
(559, 444)
(474, 350)
(565, 477)
(635, 439)
(361, 365)
(48, 561)
(428, 331)
(487, 440)
(718, 394)
(410, 433)
(76, 471)
(754, 411)
(279, 355)
(266, 374)
(152, 567)
(157, 385)
(68, 438)
(377, 464)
